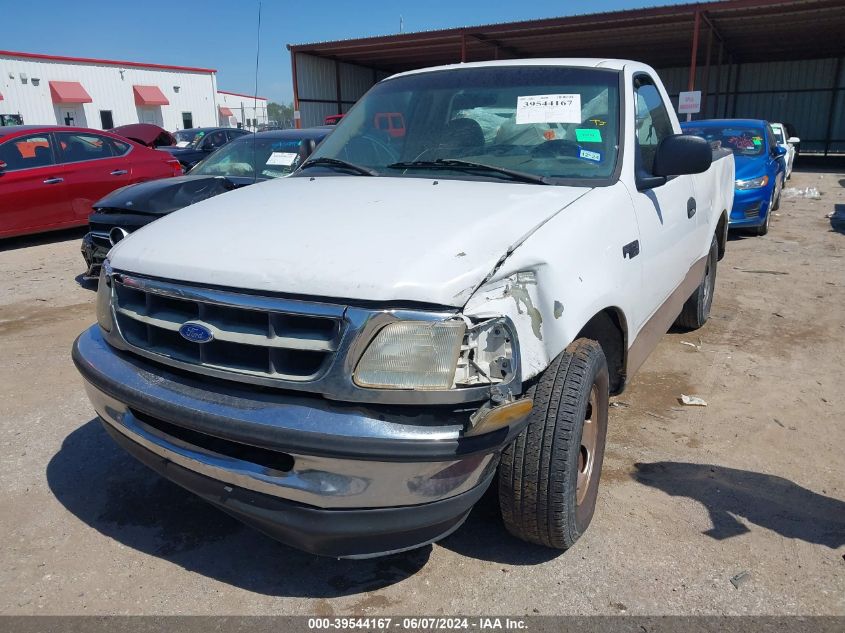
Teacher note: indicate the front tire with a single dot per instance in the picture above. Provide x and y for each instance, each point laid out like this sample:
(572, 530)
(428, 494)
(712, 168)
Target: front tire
(549, 476)
(696, 310)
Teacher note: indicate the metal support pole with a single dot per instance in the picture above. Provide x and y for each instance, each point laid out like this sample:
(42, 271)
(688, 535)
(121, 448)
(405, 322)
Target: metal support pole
(694, 55)
(833, 93)
(736, 89)
(337, 86)
(296, 122)
(718, 79)
(463, 48)
(706, 79)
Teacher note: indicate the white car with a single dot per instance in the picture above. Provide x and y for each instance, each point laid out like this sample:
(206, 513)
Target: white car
(779, 130)
(347, 357)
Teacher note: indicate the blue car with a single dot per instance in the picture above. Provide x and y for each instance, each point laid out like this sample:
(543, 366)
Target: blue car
(760, 167)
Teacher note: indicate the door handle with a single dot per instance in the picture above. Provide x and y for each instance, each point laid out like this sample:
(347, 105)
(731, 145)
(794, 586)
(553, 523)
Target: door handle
(691, 207)
(53, 181)
(119, 172)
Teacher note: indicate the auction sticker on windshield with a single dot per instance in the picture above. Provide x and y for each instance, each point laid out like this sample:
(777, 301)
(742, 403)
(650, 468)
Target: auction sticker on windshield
(281, 158)
(560, 108)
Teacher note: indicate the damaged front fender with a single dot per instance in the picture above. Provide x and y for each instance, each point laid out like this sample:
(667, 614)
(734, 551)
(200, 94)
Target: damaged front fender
(516, 296)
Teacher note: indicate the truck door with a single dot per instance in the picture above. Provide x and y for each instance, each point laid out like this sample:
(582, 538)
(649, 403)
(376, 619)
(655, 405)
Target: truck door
(665, 213)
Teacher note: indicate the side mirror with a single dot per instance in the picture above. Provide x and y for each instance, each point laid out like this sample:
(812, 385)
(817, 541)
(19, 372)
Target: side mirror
(682, 154)
(780, 150)
(793, 140)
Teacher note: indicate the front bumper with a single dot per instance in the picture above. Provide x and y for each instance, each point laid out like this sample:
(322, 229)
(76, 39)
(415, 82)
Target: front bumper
(750, 207)
(330, 478)
(94, 249)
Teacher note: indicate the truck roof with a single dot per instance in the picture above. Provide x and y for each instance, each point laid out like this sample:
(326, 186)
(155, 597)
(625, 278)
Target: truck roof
(584, 62)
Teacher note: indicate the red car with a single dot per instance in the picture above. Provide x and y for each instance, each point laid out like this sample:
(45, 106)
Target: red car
(50, 176)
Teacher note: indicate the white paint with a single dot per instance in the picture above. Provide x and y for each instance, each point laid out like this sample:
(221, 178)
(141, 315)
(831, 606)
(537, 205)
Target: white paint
(356, 237)
(689, 102)
(245, 109)
(558, 108)
(550, 258)
(789, 157)
(110, 88)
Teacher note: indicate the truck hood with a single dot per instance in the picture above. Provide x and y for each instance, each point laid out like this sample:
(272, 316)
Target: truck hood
(344, 237)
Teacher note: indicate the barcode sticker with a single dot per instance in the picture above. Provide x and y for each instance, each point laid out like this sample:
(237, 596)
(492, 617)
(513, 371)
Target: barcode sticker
(560, 108)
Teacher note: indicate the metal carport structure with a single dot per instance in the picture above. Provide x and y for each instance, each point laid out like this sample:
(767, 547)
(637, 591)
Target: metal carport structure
(750, 58)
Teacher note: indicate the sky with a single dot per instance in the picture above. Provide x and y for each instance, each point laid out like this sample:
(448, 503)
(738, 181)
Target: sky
(222, 34)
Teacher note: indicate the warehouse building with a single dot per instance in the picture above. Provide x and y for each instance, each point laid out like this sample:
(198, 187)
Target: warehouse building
(243, 111)
(102, 93)
(769, 59)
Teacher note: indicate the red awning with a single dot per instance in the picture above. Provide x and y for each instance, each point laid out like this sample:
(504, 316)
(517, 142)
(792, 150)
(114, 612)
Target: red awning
(149, 96)
(68, 92)
(225, 111)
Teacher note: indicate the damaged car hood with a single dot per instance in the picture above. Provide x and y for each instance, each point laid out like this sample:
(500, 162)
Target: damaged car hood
(355, 238)
(159, 197)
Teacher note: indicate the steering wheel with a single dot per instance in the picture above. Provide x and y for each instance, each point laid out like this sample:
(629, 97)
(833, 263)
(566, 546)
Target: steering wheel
(376, 150)
(556, 148)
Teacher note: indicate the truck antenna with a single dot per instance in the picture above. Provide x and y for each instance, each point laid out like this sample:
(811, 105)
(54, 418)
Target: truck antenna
(255, 99)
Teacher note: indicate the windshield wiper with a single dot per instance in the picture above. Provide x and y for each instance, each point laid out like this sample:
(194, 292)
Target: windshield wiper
(454, 163)
(337, 162)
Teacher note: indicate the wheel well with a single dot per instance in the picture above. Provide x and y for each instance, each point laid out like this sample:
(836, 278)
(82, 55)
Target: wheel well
(608, 328)
(722, 234)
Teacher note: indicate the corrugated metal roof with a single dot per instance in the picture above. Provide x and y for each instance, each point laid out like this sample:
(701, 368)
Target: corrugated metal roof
(750, 30)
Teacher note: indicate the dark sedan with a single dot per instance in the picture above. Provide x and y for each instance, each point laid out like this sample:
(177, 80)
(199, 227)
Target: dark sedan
(197, 143)
(246, 160)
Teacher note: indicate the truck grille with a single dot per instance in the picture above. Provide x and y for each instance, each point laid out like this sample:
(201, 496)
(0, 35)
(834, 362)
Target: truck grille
(252, 336)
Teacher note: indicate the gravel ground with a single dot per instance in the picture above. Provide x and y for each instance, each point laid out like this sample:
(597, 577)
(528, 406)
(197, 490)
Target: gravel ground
(690, 497)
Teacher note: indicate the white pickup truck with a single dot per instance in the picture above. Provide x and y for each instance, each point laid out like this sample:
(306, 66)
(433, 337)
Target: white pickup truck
(346, 358)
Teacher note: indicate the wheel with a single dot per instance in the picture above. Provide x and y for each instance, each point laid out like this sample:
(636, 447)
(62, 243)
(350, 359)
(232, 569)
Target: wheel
(696, 310)
(776, 204)
(549, 476)
(764, 228)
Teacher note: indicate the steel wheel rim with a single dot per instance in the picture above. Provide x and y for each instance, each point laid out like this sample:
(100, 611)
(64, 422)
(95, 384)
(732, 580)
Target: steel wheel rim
(587, 449)
(707, 283)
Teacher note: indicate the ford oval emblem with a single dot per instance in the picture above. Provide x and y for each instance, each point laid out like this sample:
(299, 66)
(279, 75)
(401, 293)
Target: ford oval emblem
(196, 332)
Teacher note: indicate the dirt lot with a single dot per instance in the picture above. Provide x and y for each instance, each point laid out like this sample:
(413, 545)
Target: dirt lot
(690, 497)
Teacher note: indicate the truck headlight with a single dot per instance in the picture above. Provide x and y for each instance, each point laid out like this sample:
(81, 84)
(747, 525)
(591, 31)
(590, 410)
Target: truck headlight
(104, 315)
(412, 355)
(752, 183)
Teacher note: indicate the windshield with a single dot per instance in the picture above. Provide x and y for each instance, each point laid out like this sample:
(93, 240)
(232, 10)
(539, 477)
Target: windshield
(546, 121)
(188, 138)
(269, 158)
(779, 136)
(742, 141)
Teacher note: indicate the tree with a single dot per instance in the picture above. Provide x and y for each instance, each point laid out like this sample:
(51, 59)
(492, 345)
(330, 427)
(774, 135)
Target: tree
(280, 114)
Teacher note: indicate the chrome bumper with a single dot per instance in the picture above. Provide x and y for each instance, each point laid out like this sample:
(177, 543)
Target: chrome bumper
(339, 457)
